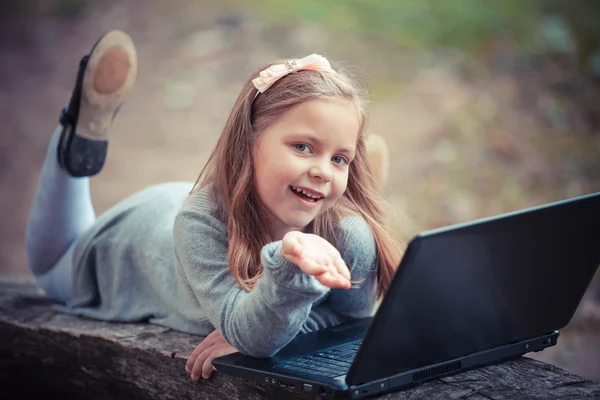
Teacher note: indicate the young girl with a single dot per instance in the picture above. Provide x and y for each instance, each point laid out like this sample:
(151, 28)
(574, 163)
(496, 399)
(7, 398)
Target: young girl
(262, 247)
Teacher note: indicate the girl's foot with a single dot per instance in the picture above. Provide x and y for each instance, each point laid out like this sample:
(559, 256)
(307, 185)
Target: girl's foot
(105, 78)
(378, 153)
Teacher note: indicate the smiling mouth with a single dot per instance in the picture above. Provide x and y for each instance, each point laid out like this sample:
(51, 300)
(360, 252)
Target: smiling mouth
(303, 194)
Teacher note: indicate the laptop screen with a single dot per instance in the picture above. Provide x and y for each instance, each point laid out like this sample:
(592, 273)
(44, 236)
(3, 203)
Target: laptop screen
(476, 286)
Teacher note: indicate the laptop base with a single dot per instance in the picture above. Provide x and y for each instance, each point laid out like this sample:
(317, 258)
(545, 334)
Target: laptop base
(336, 388)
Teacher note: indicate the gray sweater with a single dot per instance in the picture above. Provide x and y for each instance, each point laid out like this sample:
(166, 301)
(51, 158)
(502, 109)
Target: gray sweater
(157, 258)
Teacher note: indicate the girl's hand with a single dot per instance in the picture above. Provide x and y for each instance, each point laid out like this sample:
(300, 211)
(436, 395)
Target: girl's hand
(316, 256)
(211, 347)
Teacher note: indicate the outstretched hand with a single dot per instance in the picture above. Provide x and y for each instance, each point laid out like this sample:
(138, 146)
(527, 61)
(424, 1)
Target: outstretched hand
(200, 361)
(316, 256)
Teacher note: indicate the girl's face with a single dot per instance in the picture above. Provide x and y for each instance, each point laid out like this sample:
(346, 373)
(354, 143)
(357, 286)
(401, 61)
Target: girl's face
(301, 162)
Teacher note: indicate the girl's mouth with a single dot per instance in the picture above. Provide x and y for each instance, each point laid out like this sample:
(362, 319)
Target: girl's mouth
(304, 195)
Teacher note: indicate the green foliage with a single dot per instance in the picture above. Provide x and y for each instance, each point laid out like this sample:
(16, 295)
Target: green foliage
(415, 23)
(71, 7)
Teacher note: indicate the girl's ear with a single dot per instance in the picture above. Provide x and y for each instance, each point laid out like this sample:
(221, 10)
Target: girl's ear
(379, 157)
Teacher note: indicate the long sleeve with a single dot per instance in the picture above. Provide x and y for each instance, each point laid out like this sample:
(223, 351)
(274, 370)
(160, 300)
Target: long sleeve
(359, 252)
(257, 323)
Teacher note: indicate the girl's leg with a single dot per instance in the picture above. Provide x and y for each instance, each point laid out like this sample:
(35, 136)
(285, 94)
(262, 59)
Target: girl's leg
(62, 208)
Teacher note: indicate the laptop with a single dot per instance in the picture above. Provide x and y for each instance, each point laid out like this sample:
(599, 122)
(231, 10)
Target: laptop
(463, 297)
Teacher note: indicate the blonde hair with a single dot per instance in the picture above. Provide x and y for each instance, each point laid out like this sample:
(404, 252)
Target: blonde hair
(231, 173)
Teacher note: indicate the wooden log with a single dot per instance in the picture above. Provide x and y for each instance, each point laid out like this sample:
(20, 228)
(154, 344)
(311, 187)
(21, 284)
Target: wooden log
(47, 354)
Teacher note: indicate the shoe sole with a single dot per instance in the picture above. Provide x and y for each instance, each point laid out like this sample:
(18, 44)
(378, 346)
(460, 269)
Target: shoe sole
(379, 158)
(109, 76)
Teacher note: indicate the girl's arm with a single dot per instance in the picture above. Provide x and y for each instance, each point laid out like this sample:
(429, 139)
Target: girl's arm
(258, 323)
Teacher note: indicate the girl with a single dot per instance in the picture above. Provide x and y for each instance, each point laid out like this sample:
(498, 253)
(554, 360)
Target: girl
(265, 246)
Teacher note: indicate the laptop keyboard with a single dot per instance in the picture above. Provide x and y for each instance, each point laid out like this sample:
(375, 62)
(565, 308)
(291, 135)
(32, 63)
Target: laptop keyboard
(330, 363)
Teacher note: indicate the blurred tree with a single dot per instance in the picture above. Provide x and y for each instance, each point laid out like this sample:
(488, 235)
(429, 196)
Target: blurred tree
(582, 19)
(10, 8)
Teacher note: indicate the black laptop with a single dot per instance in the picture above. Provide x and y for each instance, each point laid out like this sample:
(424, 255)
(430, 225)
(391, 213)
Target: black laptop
(464, 296)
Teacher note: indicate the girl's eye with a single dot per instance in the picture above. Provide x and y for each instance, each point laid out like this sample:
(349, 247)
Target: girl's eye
(302, 147)
(340, 160)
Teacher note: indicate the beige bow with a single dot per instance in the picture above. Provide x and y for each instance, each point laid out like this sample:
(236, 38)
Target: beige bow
(269, 76)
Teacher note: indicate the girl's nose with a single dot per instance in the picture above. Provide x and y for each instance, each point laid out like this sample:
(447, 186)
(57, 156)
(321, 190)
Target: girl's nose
(321, 170)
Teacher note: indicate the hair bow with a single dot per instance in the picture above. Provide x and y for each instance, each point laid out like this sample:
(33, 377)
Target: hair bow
(269, 76)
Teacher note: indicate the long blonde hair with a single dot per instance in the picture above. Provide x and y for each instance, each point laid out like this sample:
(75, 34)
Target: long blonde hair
(231, 173)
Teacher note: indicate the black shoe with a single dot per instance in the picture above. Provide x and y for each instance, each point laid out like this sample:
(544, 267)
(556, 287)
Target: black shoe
(104, 80)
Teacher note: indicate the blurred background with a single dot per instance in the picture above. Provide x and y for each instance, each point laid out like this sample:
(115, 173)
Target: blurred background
(487, 107)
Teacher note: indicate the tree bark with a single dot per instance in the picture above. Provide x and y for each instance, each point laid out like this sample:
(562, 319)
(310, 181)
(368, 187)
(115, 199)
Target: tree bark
(47, 354)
